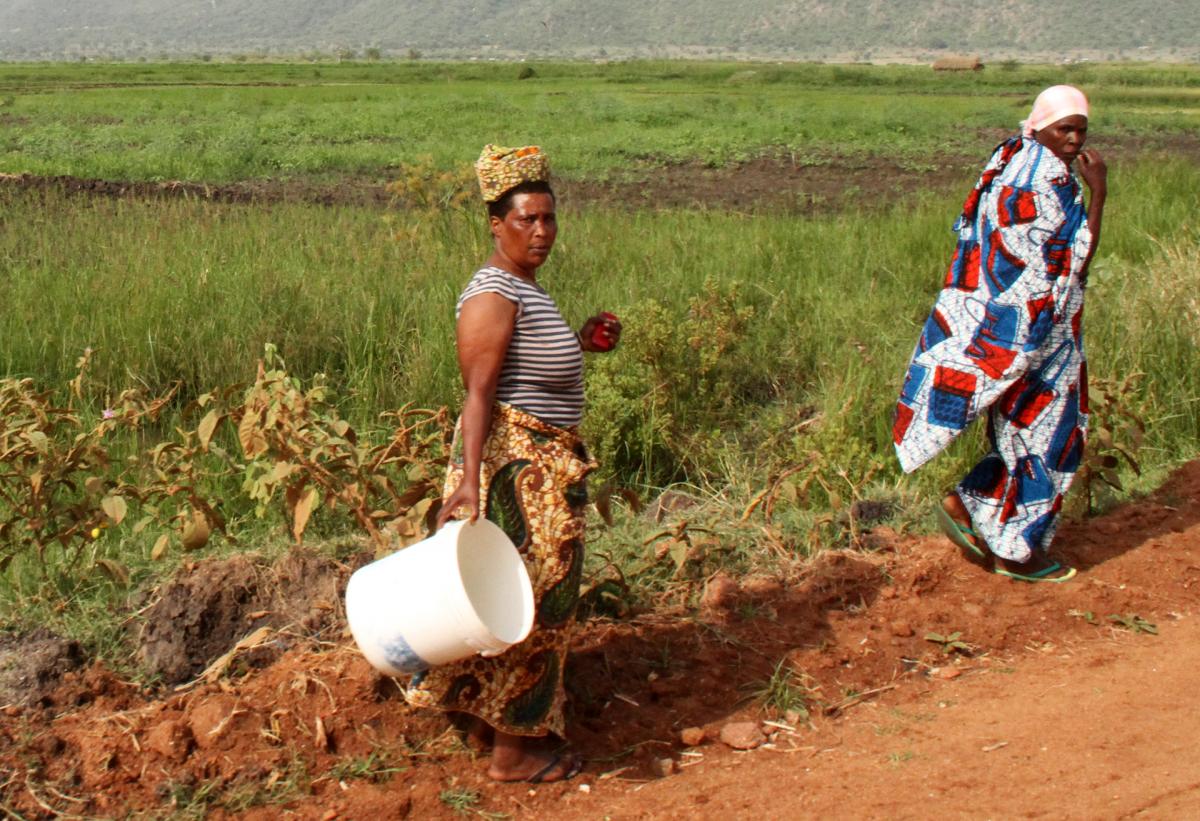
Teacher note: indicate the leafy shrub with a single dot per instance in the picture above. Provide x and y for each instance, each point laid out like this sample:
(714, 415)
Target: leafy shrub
(64, 481)
(676, 383)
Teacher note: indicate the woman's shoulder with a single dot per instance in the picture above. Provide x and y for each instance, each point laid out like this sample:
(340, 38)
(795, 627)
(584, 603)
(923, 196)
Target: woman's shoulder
(490, 279)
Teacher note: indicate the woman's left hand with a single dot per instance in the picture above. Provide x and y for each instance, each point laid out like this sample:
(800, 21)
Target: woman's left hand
(600, 333)
(1094, 171)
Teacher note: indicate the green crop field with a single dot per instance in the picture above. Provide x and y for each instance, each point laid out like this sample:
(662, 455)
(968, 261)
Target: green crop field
(756, 343)
(217, 123)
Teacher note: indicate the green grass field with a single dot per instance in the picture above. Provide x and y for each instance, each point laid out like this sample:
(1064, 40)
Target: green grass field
(218, 123)
(813, 317)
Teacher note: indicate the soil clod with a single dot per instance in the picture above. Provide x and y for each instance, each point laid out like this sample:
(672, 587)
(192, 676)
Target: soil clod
(742, 735)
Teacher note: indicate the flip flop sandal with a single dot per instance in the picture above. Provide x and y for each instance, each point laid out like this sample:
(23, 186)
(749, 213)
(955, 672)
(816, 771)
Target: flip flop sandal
(574, 767)
(1043, 575)
(961, 535)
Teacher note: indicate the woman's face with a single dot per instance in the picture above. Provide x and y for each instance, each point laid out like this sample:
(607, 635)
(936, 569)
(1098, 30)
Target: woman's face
(526, 234)
(1064, 137)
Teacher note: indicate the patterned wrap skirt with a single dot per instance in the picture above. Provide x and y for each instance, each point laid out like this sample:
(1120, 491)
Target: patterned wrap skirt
(533, 485)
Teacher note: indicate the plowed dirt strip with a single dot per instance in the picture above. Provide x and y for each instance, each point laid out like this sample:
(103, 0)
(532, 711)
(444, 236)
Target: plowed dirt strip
(768, 183)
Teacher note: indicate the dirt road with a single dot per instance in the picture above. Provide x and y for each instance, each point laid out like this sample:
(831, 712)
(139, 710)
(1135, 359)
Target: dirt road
(1107, 728)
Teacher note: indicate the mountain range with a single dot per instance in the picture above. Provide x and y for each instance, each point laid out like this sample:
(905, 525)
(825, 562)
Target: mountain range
(788, 29)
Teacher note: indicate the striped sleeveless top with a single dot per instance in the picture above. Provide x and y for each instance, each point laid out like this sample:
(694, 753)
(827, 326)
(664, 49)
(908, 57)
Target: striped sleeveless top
(543, 369)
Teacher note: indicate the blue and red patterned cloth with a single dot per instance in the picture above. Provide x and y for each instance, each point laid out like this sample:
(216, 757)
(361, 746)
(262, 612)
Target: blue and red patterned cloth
(1005, 338)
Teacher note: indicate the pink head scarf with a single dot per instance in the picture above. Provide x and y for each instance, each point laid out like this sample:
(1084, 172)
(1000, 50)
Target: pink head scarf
(1052, 105)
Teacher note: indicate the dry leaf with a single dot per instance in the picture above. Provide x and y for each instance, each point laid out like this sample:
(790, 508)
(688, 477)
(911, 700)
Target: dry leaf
(160, 547)
(304, 507)
(208, 425)
(197, 531)
(114, 570)
(114, 508)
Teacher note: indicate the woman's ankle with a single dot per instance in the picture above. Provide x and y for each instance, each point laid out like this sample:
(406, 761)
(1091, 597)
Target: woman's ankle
(953, 505)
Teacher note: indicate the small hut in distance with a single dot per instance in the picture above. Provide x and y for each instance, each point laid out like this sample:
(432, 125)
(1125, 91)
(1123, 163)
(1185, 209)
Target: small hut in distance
(958, 62)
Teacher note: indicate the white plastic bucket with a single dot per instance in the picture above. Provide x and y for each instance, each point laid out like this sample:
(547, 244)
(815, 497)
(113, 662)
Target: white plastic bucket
(462, 591)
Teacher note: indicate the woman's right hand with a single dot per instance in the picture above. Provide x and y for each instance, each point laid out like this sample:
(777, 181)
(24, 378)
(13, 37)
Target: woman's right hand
(465, 495)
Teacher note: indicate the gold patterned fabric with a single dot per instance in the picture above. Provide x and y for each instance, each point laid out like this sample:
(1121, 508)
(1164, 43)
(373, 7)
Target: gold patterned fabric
(500, 169)
(533, 485)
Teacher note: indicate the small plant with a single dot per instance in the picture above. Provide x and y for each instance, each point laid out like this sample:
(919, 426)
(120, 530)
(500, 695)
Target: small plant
(59, 482)
(460, 799)
(1086, 615)
(281, 786)
(375, 768)
(1134, 623)
(678, 543)
(421, 186)
(785, 691)
(1116, 432)
(950, 643)
(297, 446)
(189, 800)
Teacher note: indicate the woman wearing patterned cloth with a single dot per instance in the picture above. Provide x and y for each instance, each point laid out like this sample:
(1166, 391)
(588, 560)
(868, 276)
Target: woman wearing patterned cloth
(518, 458)
(1005, 337)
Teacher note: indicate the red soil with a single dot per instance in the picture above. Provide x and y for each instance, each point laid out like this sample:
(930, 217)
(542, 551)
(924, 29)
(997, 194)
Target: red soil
(1054, 714)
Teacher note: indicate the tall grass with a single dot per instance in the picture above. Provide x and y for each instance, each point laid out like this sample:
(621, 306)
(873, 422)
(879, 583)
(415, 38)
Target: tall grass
(189, 292)
(753, 344)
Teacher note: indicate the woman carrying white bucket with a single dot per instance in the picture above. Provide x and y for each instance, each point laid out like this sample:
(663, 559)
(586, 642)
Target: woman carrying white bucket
(517, 458)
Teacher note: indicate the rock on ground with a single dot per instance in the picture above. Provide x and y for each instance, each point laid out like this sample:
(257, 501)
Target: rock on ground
(742, 735)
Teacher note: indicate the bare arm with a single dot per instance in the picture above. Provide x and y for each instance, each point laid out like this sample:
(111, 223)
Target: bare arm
(1095, 174)
(485, 327)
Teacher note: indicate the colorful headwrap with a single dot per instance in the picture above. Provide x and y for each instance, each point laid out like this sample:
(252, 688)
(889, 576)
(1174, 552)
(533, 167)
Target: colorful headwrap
(500, 169)
(1052, 105)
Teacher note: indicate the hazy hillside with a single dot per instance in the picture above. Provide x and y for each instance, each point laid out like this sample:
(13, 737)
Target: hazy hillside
(31, 29)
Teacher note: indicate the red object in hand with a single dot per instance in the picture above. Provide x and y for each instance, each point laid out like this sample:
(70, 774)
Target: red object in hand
(601, 341)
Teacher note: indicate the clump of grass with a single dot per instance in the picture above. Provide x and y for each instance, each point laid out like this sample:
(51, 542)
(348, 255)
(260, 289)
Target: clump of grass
(461, 800)
(282, 786)
(950, 643)
(376, 767)
(1133, 623)
(785, 691)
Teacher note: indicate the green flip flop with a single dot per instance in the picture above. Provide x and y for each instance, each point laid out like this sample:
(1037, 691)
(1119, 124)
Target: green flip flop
(1043, 575)
(960, 534)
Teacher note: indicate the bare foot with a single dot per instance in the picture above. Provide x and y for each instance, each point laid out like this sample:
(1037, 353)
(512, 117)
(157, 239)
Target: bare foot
(953, 505)
(476, 733)
(515, 758)
(479, 735)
